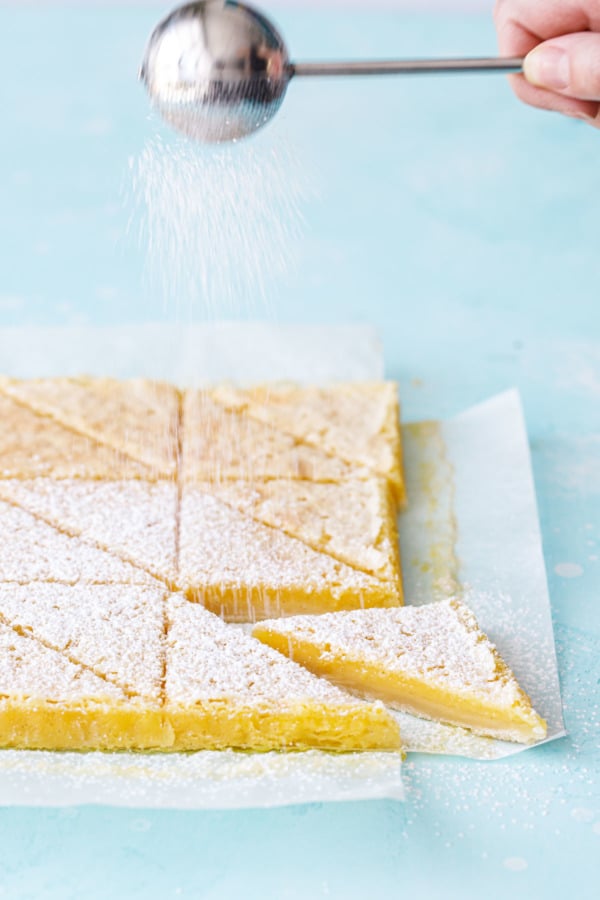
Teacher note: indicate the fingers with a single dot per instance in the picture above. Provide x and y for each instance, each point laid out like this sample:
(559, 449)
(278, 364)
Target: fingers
(529, 29)
(544, 99)
(515, 40)
(568, 65)
(545, 19)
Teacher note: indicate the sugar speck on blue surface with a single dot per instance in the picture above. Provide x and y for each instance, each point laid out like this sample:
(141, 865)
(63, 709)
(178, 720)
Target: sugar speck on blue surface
(568, 570)
(515, 863)
(582, 814)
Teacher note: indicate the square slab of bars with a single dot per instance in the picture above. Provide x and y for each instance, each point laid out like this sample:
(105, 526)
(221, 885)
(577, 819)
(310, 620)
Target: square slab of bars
(131, 513)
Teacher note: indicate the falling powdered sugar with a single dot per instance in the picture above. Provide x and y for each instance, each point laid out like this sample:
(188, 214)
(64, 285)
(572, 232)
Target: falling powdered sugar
(218, 224)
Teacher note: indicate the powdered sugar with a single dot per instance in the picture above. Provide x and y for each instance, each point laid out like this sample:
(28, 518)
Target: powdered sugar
(208, 660)
(218, 225)
(218, 444)
(30, 671)
(357, 423)
(32, 445)
(135, 519)
(353, 522)
(137, 417)
(31, 550)
(116, 630)
(439, 643)
(221, 547)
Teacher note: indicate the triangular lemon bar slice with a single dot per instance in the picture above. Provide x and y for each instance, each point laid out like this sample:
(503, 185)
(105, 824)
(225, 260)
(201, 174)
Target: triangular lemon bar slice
(33, 445)
(218, 444)
(225, 689)
(244, 570)
(139, 418)
(116, 630)
(133, 519)
(48, 703)
(356, 422)
(33, 550)
(354, 521)
(430, 660)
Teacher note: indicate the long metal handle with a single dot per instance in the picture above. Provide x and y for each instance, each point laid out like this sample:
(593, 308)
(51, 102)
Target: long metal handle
(408, 66)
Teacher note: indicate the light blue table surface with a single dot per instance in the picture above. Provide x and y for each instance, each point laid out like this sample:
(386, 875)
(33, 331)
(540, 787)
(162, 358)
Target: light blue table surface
(467, 228)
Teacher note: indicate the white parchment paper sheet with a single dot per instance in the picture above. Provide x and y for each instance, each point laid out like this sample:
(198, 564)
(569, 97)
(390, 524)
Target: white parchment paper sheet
(195, 353)
(472, 528)
(471, 525)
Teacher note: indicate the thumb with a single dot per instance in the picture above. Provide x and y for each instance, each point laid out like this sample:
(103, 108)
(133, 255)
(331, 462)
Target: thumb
(568, 65)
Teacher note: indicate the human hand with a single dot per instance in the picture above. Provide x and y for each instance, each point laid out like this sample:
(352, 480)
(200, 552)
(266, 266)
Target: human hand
(560, 40)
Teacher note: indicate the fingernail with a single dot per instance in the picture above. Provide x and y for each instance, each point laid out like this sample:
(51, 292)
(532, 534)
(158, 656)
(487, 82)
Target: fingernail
(547, 67)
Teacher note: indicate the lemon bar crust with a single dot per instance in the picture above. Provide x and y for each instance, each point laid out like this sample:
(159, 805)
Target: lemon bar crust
(45, 725)
(220, 725)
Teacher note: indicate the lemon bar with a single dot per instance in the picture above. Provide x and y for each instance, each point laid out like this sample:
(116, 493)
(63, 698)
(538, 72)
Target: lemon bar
(431, 660)
(244, 570)
(225, 689)
(32, 550)
(218, 444)
(48, 703)
(33, 445)
(135, 520)
(138, 418)
(115, 630)
(354, 521)
(355, 422)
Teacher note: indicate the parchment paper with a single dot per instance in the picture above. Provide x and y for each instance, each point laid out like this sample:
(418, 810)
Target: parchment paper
(196, 353)
(471, 527)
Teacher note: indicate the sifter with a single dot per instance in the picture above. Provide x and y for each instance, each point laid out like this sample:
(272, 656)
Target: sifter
(218, 70)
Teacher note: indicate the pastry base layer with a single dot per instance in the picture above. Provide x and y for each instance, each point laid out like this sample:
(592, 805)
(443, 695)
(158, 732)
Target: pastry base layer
(35, 725)
(218, 725)
(43, 725)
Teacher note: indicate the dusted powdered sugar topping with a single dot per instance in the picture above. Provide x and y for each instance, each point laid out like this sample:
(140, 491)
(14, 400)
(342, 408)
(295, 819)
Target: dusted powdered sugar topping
(34, 445)
(136, 417)
(134, 519)
(208, 660)
(221, 444)
(30, 671)
(437, 642)
(220, 546)
(356, 422)
(31, 550)
(116, 630)
(352, 521)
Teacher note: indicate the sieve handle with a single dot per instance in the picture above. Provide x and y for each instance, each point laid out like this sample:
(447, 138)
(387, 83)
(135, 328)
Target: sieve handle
(408, 66)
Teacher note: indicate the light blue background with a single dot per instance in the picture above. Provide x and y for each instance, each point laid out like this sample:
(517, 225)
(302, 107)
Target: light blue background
(467, 228)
